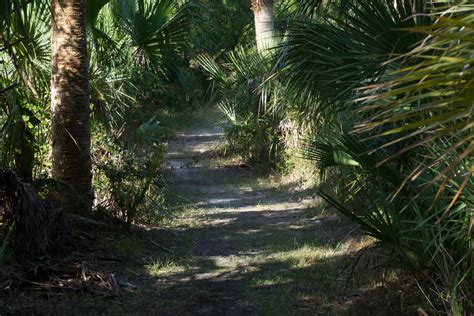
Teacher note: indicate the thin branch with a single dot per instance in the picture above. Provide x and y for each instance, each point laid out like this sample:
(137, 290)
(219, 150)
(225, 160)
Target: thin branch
(8, 88)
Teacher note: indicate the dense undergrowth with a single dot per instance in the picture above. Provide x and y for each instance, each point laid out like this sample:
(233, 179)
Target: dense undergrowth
(140, 70)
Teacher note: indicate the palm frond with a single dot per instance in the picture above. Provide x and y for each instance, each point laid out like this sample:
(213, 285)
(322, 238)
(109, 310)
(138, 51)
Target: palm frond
(340, 148)
(431, 98)
(158, 30)
(333, 58)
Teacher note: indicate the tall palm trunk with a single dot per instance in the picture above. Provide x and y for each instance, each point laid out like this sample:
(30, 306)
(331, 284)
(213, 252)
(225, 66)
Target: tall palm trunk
(70, 102)
(264, 23)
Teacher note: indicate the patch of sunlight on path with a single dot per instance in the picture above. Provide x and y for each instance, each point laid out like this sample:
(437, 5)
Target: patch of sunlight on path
(244, 245)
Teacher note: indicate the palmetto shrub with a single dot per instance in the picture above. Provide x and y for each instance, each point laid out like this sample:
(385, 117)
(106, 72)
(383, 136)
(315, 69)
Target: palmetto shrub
(403, 70)
(251, 104)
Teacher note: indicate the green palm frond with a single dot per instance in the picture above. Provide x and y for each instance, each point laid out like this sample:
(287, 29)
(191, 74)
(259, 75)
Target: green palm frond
(9, 9)
(24, 61)
(216, 72)
(328, 154)
(25, 44)
(158, 30)
(229, 110)
(93, 9)
(34, 51)
(429, 101)
(243, 77)
(104, 36)
(111, 91)
(333, 58)
(342, 149)
(252, 102)
(378, 223)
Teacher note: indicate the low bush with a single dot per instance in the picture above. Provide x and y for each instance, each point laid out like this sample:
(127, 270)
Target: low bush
(128, 174)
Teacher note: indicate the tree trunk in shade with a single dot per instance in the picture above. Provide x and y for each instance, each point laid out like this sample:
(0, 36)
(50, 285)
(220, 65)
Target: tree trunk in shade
(264, 23)
(70, 103)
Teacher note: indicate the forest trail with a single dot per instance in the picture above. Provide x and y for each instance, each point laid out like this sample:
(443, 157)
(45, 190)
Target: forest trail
(240, 245)
(236, 243)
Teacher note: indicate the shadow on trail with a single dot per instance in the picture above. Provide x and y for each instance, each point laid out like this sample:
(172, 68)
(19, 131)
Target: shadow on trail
(270, 274)
(277, 287)
(223, 193)
(241, 247)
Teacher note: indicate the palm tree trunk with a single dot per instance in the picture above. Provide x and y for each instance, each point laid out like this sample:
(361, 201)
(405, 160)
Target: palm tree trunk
(70, 103)
(264, 23)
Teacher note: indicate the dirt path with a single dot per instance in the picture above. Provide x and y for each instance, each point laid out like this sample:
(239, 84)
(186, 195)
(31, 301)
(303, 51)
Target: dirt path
(237, 244)
(241, 245)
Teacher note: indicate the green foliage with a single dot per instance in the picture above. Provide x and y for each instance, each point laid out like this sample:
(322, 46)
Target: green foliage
(250, 104)
(317, 8)
(128, 174)
(382, 91)
(24, 62)
(220, 25)
(406, 79)
(157, 30)
(331, 59)
(427, 101)
(413, 232)
(143, 73)
(136, 63)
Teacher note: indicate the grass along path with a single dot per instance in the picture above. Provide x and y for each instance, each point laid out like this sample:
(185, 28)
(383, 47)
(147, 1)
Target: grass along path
(241, 245)
(238, 244)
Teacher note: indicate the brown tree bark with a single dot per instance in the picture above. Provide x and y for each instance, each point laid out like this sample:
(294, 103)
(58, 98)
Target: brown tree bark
(264, 23)
(70, 103)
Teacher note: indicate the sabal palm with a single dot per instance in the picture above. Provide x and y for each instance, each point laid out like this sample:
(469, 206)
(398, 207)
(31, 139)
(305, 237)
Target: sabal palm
(71, 136)
(264, 23)
(110, 48)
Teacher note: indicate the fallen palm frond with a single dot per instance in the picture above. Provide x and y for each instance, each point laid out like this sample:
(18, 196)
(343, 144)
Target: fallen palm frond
(77, 276)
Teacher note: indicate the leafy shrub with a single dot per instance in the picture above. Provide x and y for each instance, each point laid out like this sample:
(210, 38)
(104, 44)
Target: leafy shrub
(128, 177)
(407, 154)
